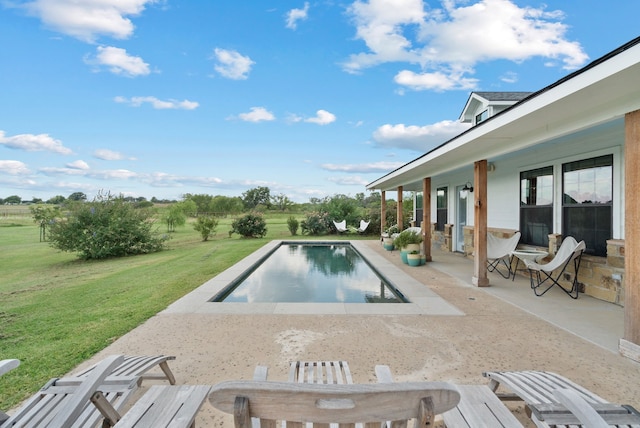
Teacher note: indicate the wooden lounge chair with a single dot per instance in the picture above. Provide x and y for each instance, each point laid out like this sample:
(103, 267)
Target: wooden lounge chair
(162, 406)
(340, 226)
(346, 404)
(319, 372)
(66, 402)
(97, 399)
(478, 406)
(140, 366)
(363, 226)
(499, 252)
(555, 401)
(550, 274)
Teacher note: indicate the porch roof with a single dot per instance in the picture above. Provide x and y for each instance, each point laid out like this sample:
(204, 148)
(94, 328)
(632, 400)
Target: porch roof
(601, 92)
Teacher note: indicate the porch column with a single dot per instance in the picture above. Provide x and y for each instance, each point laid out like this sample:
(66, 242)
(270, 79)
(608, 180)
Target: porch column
(480, 224)
(399, 210)
(383, 213)
(426, 218)
(630, 343)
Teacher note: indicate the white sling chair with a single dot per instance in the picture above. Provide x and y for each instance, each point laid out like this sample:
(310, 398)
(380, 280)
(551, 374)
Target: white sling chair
(499, 252)
(569, 251)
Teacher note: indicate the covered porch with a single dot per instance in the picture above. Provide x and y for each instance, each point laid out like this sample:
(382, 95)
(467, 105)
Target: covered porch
(590, 115)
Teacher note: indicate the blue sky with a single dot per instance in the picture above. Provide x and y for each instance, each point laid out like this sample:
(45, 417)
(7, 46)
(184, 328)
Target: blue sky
(311, 99)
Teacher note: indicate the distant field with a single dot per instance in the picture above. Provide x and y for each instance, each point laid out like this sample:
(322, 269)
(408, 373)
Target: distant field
(57, 311)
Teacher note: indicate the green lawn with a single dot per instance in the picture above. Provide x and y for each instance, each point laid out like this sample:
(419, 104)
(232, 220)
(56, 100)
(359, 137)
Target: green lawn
(57, 311)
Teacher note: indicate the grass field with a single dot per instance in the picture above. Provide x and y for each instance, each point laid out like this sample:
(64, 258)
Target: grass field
(57, 311)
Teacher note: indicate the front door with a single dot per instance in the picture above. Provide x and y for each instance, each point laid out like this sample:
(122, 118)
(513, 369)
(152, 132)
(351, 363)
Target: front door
(461, 218)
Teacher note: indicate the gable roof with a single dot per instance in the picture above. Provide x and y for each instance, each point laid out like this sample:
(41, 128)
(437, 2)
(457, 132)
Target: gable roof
(601, 92)
(477, 99)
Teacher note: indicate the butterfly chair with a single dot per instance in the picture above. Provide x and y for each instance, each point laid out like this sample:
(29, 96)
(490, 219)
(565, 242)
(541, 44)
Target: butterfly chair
(363, 226)
(340, 226)
(569, 252)
(499, 252)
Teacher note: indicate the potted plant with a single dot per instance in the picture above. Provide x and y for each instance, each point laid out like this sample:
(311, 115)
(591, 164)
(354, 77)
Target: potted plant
(414, 258)
(387, 237)
(407, 241)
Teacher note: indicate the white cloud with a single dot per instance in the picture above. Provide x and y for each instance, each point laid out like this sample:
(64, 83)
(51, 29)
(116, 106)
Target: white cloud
(79, 164)
(437, 81)
(232, 64)
(257, 114)
(106, 154)
(159, 104)
(34, 143)
(447, 43)
(322, 117)
(349, 180)
(295, 15)
(377, 167)
(509, 77)
(119, 62)
(113, 174)
(419, 138)
(13, 167)
(379, 23)
(88, 19)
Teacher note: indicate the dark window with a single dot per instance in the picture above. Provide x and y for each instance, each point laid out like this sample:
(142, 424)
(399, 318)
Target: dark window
(441, 208)
(587, 202)
(482, 116)
(536, 206)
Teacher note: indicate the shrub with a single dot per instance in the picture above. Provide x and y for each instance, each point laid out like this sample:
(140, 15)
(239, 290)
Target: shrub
(106, 227)
(292, 224)
(206, 225)
(316, 223)
(250, 226)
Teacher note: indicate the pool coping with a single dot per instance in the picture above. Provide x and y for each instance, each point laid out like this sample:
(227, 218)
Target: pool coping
(423, 301)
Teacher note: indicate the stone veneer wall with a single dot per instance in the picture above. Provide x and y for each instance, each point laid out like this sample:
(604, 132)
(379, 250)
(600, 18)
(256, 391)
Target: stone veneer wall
(442, 239)
(600, 277)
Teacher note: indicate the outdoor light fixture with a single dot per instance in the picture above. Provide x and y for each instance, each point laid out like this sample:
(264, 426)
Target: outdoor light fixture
(468, 188)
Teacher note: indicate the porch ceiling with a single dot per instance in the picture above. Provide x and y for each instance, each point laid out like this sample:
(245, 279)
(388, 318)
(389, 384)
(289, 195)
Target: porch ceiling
(603, 91)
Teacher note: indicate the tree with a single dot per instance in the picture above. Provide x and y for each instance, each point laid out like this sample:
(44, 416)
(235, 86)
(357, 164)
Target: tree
(256, 196)
(223, 205)
(206, 225)
(13, 200)
(341, 207)
(281, 202)
(176, 214)
(56, 200)
(106, 227)
(77, 196)
(202, 202)
(44, 215)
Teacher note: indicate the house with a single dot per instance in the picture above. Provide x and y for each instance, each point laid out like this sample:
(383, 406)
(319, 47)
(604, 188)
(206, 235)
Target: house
(562, 161)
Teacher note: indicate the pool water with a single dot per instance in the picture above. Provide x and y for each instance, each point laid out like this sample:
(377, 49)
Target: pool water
(320, 273)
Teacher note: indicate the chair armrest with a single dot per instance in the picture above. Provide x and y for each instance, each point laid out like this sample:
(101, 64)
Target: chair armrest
(84, 392)
(8, 365)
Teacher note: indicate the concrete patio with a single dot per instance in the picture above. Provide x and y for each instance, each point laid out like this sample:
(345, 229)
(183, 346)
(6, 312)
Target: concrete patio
(502, 327)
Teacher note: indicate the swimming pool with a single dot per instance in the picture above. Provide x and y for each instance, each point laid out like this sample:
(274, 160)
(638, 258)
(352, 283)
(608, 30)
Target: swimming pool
(422, 300)
(311, 272)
